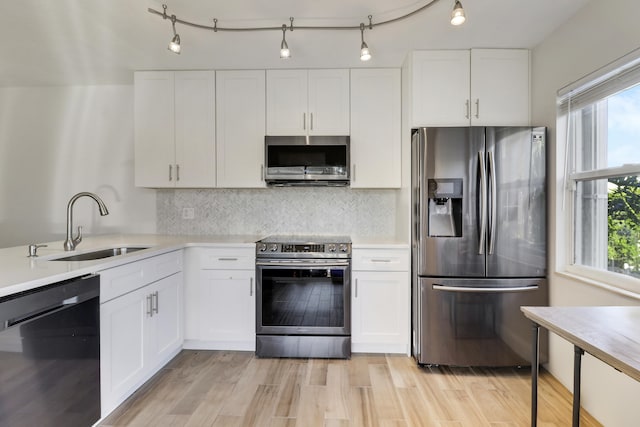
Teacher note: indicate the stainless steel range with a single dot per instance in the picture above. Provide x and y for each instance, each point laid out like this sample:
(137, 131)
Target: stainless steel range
(303, 296)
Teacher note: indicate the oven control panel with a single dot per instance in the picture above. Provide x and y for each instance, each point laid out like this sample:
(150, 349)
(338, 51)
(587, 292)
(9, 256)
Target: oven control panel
(303, 250)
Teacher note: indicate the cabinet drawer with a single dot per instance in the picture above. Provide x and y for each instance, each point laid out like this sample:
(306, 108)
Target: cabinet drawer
(228, 258)
(128, 277)
(381, 260)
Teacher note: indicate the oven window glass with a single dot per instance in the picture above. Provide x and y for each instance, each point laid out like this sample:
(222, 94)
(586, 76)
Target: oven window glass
(303, 297)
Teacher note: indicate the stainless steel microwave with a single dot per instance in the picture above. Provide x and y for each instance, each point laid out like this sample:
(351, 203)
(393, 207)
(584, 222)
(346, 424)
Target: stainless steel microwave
(306, 160)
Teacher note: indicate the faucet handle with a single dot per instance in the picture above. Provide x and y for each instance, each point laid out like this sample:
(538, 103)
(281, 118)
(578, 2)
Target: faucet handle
(33, 250)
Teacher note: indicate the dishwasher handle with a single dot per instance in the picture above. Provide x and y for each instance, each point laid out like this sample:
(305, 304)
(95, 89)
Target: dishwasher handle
(33, 304)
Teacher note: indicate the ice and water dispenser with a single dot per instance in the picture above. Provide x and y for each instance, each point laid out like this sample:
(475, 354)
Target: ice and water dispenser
(445, 207)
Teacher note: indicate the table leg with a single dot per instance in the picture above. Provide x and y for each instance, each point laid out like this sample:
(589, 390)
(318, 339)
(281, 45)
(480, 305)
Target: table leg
(535, 362)
(577, 361)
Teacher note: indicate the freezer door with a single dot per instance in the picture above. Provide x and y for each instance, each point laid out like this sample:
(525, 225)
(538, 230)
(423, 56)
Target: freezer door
(516, 242)
(447, 172)
(478, 322)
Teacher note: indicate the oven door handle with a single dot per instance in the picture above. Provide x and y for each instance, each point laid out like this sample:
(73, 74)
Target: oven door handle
(302, 263)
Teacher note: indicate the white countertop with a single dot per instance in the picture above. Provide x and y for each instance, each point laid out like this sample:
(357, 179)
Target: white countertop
(19, 273)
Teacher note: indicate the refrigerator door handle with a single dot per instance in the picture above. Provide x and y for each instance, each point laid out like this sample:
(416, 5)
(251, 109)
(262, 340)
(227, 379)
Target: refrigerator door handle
(484, 290)
(482, 203)
(493, 217)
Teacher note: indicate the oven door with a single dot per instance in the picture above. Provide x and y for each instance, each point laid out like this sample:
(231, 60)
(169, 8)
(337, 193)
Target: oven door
(303, 297)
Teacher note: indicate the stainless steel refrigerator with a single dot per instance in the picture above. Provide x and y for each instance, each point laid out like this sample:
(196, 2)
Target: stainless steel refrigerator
(479, 244)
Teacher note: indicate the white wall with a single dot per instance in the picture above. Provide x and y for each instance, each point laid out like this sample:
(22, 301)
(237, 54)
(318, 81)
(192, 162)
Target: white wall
(57, 141)
(598, 34)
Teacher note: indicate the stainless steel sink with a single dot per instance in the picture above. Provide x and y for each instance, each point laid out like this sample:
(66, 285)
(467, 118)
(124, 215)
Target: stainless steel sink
(102, 253)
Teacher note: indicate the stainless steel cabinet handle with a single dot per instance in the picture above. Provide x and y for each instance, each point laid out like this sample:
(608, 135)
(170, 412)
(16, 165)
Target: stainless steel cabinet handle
(380, 260)
(353, 172)
(149, 306)
(311, 127)
(251, 287)
(356, 288)
(493, 217)
(304, 121)
(477, 108)
(482, 220)
(262, 172)
(484, 290)
(170, 172)
(177, 172)
(227, 259)
(154, 296)
(466, 109)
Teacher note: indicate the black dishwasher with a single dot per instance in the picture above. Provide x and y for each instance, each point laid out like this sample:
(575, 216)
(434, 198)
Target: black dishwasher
(50, 355)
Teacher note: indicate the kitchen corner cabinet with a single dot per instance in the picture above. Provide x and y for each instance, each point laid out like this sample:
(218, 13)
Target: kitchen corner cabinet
(480, 87)
(380, 295)
(220, 299)
(240, 128)
(140, 325)
(174, 129)
(375, 128)
(308, 102)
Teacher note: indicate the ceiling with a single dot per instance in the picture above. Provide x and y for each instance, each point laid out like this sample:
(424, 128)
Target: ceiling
(80, 42)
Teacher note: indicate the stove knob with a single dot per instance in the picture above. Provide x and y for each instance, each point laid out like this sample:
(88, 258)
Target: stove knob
(273, 247)
(343, 247)
(332, 247)
(262, 247)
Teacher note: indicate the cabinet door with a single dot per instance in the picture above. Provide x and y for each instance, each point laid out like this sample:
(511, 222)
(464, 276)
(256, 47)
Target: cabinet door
(328, 102)
(154, 128)
(240, 128)
(122, 346)
(227, 307)
(195, 129)
(440, 88)
(165, 325)
(380, 312)
(286, 102)
(500, 87)
(375, 128)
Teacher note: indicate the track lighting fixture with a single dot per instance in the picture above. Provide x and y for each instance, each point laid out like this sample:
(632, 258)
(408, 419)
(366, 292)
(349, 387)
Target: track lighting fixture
(285, 53)
(457, 15)
(174, 44)
(457, 18)
(365, 54)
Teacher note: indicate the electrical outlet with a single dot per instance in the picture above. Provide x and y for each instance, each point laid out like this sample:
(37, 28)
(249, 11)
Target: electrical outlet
(188, 213)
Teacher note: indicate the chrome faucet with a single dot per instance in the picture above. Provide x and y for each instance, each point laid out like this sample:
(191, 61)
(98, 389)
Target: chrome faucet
(71, 242)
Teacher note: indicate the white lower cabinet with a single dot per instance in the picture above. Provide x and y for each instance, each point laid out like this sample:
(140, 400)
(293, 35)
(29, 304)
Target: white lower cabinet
(140, 331)
(220, 299)
(380, 294)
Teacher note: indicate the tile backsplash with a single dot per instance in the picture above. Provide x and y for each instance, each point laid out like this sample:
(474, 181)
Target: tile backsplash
(291, 210)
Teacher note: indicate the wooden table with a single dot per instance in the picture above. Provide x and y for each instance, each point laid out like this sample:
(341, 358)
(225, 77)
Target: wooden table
(611, 334)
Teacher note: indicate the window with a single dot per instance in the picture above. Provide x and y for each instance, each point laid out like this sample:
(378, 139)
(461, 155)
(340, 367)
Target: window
(602, 120)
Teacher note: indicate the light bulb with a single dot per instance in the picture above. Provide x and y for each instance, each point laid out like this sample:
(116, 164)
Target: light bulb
(457, 15)
(174, 45)
(365, 54)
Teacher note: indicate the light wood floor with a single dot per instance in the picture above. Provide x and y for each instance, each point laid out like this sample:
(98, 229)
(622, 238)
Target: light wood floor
(224, 388)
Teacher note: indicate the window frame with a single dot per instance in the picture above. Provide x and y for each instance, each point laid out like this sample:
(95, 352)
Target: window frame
(592, 91)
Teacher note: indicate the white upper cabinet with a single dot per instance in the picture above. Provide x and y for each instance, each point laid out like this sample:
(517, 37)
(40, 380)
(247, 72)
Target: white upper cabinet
(240, 128)
(308, 102)
(375, 128)
(481, 87)
(500, 87)
(440, 88)
(175, 129)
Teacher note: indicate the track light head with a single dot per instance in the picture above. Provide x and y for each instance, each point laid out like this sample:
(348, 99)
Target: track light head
(457, 15)
(174, 44)
(285, 53)
(365, 53)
